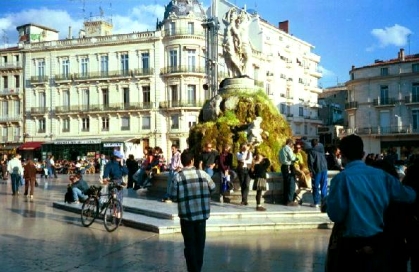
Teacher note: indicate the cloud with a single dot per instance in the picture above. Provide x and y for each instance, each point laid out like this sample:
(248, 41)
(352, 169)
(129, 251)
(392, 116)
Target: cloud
(396, 35)
(325, 72)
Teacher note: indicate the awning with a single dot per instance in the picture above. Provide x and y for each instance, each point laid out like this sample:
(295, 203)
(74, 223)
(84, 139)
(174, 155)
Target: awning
(31, 146)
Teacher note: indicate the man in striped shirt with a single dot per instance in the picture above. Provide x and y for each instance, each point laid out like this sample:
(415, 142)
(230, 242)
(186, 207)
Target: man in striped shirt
(192, 189)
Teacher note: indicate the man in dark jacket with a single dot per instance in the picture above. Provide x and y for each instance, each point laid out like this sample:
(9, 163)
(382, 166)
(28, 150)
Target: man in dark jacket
(317, 164)
(79, 187)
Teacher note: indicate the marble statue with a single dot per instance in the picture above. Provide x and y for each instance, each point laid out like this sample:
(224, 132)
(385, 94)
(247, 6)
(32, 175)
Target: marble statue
(237, 49)
(254, 132)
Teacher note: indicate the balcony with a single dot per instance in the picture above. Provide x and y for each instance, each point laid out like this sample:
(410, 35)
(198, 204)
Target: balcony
(183, 32)
(12, 118)
(411, 99)
(10, 91)
(39, 80)
(39, 110)
(390, 130)
(11, 66)
(63, 77)
(353, 105)
(182, 69)
(181, 104)
(102, 75)
(384, 102)
(143, 72)
(103, 108)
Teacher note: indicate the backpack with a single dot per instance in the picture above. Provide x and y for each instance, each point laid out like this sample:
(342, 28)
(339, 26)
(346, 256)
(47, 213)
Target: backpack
(68, 197)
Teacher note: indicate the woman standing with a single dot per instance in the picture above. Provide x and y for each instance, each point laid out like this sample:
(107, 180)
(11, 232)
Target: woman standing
(30, 178)
(259, 184)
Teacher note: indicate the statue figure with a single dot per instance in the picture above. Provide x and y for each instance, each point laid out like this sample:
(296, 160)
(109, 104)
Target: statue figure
(254, 132)
(237, 49)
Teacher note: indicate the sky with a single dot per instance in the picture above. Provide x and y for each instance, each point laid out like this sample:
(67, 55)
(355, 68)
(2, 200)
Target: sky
(343, 32)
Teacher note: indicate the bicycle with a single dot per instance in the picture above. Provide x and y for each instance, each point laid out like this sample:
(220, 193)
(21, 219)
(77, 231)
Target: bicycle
(110, 208)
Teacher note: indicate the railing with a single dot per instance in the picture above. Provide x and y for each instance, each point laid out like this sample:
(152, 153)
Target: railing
(182, 69)
(351, 105)
(183, 31)
(181, 104)
(39, 110)
(411, 99)
(10, 91)
(102, 107)
(14, 118)
(384, 102)
(11, 65)
(63, 77)
(143, 72)
(107, 74)
(385, 130)
(39, 79)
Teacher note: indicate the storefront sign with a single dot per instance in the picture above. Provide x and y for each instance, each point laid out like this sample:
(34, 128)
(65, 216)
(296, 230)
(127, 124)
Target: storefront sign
(112, 144)
(69, 142)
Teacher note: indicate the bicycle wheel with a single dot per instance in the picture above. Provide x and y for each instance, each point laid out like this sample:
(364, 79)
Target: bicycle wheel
(89, 211)
(113, 215)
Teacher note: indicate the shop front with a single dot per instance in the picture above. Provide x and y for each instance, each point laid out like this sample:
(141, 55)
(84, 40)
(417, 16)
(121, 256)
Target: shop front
(30, 150)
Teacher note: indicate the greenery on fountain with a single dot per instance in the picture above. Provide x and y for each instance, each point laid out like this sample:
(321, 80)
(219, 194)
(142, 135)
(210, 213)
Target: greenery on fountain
(231, 125)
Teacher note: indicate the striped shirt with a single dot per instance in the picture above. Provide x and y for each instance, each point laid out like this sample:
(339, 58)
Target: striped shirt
(192, 189)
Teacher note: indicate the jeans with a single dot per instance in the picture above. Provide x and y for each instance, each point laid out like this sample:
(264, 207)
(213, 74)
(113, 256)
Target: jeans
(209, 171)
(15, 182)
(169, 183)
(244, 180)
(289, 184)
(77, 193)
(320, 180)
(194, 234)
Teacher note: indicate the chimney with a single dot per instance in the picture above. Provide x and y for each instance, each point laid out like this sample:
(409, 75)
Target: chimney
(284, 26)
(401, 54)
(69, 33)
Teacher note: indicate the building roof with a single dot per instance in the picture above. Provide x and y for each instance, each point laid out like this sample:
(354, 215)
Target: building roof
(40, 26)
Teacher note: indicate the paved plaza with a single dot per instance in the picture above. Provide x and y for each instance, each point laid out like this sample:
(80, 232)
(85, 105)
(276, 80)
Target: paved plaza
(37, 237)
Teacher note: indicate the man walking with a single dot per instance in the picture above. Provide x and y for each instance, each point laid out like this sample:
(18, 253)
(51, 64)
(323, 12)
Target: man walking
(287, 159)
(174, 167)
(191, 189)
(15, 169)
(357, 200)
(317, 164)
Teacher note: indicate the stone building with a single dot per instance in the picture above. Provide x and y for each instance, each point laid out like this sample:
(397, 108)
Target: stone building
(99, 91)
(383, 105)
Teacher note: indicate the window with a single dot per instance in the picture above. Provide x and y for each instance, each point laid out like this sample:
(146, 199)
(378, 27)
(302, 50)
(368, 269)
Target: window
(85, 99)
(300, 111)
(191, 120)
(145, 61)
(5, 108)
(191, 94)
(42, 125)
(4, 134)
(41, 69)
(191, 60)
(191, 30)
(172, 28)
(305, 129)
(415, 92)
(384, 100)
(105, 97)
(105, 124)
(174, 93)
(42, 100)
(124, 64)
(282, 108)
(84, 70)
(146, 122)
(85, 124)
(5, 82)
(146, 94)
(124, 123)
(174, 124)
(415, 68)
(415, 120)
(173, 58)
(16, 106)
(17, 82)
(4, 59)
(66, 69)
(126, 96)
(66, 125)
(384, 71)
(104, 65)
(17, 134)
(66, 99)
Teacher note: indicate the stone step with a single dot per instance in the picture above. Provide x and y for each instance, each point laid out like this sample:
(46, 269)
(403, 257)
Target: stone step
(156, 216)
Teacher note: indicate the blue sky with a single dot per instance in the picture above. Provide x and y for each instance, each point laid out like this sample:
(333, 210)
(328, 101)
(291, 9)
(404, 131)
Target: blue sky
(344, 33)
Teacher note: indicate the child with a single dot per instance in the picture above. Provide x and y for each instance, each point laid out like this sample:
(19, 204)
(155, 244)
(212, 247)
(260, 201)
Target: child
(259, 169)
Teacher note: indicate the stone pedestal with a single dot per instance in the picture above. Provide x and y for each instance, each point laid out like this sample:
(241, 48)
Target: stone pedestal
(234, 84)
